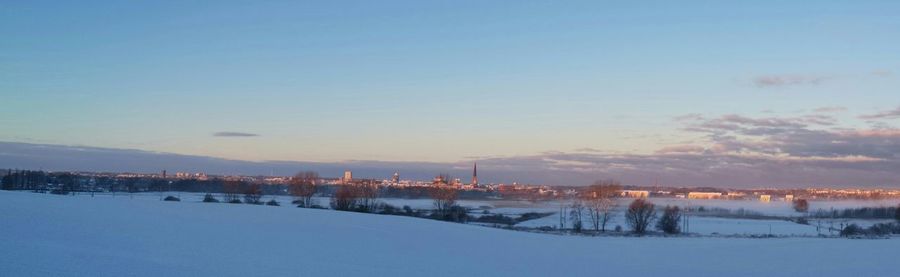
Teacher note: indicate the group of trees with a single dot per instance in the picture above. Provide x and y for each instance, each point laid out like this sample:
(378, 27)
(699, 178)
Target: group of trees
(356, 197)
(862, 213)
(303, 187)
(443, 199)
(598, 202)
(641, 214)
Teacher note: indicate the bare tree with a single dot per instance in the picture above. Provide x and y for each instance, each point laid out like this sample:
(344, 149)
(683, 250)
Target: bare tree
(563, 213)
(575, 214)
(444, 199)
(303, 187)
(639, 215)
(670, 220)
(368, 197)
(345, 198)
(253, 193)
(600, 212)
(600, 203)
(232, 190)
(897, 214)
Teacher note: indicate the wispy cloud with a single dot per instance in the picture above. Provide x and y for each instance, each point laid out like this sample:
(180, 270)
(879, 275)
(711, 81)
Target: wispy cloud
(832, 109)
(234, 134)
(890, 114)
(789, 80)
(882, 73)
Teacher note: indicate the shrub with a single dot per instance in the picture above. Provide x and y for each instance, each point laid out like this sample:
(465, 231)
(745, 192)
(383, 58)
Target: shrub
(235, 201)
(407, 210)
(253, 194)
(496, 219)
(803, 221)
(577, 226)
(669, 222)
(640, 214)
(455, 213)
(273, 203)
(171, 198)
(209, 198)
(532, 215)
(852, 230)
(389, 209)
(618, 228)
(880, 229)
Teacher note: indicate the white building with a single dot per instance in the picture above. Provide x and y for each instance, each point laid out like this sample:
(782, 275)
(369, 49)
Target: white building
(704, 195)
(635, 193)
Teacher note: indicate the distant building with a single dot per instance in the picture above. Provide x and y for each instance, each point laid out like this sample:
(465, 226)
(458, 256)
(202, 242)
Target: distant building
(704, 195)
(789, 198)
(475, 175)
(348, 177)
(636, 193)
(396, 178)
(765, 198)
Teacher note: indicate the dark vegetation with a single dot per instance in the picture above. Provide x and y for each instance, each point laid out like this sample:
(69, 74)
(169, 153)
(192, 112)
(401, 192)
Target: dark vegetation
(876, 230)
(670, 222)
(209, 198)
(639, 215)
(860, 213)
(509, 220)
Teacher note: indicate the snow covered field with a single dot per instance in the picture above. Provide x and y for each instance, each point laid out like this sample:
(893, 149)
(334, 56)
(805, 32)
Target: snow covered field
(48, 235)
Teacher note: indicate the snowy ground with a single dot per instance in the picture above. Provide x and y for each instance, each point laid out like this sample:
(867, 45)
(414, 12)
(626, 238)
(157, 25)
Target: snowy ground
(47, 235)
(698, 225)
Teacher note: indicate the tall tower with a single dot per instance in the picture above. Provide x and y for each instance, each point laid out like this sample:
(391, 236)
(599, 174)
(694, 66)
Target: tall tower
(348, 177)
(475, 175)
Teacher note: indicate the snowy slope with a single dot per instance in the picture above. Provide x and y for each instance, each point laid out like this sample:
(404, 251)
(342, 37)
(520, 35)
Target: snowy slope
(46, 235)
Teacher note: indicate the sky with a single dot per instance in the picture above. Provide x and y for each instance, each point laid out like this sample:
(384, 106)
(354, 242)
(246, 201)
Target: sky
(687, 91)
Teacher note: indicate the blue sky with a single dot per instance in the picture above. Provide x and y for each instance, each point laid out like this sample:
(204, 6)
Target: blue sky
(441, 81)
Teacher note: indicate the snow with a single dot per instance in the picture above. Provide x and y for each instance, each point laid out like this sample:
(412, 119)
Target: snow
(49, 235)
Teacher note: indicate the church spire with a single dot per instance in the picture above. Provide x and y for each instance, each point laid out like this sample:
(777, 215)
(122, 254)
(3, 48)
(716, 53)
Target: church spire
(475, 174)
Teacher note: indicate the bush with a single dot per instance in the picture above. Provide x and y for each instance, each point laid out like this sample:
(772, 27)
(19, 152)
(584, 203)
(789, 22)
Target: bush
(803, 221)
(496, 219)
(852, 230)
(618, 228)
(389, 209)
(880, 229)
(532, 215)
(273, 203)
(408, 210)
(455, 213)
(639, 215)
(235, 201)
(171, 198)
(209, 198)
(669, 222)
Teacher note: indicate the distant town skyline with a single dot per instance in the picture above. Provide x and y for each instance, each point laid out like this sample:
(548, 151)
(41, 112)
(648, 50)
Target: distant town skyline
(730, 93)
